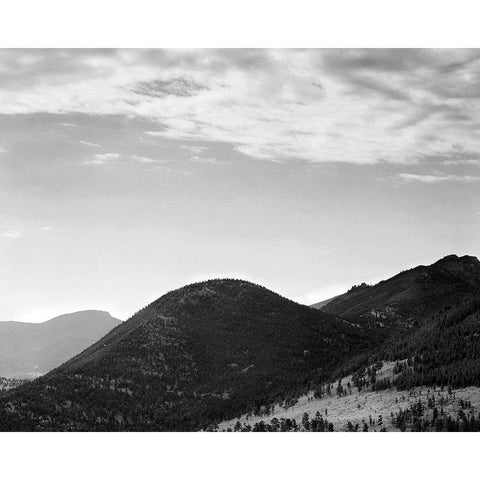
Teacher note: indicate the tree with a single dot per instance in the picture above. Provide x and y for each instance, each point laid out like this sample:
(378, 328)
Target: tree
(275, 424)
(306, 421)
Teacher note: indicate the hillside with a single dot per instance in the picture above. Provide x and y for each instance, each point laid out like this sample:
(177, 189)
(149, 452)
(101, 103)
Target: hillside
(411, 296)
(368, 409)
(445, 350)
(429, 381)
(320, 305)
(194, 357)
(28, 350)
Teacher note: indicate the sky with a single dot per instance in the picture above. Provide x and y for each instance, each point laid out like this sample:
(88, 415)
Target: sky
(128, 173)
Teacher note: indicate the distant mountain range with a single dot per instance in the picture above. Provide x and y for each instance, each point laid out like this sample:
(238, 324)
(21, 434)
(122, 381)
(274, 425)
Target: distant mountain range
(214, 350)
(28, 350)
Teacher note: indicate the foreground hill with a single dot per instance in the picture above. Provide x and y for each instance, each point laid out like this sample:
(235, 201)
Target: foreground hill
(31, 349)
(195, 356)
(411, 295)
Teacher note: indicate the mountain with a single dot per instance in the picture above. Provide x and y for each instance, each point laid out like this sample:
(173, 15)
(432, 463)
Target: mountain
(31, 349)
(216, 350)
(196, 356)
(411, 295)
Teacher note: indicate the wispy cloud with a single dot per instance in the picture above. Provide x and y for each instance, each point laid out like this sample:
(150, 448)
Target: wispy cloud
(107, 158)
(197, 149)
(354, 106)
(11, 235)
(206, 160)
(457, 155)
(177, 87)
(469, 161)
(89, 144)
(102, 158)
(146, 159)
(438, 178)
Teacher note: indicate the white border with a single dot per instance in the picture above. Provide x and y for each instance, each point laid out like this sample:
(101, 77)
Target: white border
(238, 456)
(249, 23)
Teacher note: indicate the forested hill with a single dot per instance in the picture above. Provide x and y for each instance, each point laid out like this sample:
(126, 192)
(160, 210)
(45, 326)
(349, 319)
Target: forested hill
(196, 356)
(407, 298)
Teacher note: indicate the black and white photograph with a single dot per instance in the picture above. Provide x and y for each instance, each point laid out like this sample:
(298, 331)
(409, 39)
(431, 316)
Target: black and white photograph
(240, 239)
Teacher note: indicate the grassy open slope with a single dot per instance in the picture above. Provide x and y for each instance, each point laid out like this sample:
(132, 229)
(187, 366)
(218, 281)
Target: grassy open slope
(368, 407)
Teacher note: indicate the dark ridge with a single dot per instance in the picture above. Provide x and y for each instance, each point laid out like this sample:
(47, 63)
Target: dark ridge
(411, 295)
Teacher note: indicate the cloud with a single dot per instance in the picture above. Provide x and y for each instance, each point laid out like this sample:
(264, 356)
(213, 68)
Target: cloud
(457, 155)
(46, 229)
(106, 158)
(11, 235)
(197, 149)
(433, 179)
(359, 106)
(469, 161)
(89, 144)
(369, 85)
(206, 161)
(177, 87)
(374, 60)
(102, 158)
(146, 159)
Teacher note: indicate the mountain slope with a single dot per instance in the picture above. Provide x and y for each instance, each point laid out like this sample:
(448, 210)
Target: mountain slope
(430, 382)
(197, 355)
(320, 305)
(32, 349)
(443, 351)
(411, 295)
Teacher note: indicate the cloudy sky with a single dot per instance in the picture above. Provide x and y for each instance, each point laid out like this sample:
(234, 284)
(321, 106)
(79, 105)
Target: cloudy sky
(128, 173)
